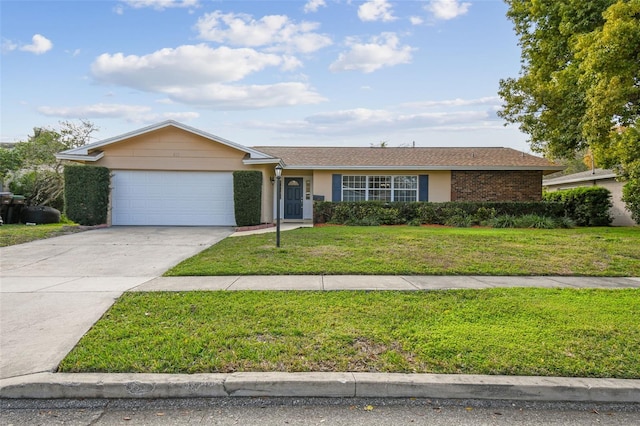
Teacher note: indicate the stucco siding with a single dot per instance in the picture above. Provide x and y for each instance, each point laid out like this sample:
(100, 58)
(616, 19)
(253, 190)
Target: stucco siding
(439, 186)
(171, 149)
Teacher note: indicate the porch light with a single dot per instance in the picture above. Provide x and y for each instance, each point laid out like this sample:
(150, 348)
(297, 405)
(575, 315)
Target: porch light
(278, 189)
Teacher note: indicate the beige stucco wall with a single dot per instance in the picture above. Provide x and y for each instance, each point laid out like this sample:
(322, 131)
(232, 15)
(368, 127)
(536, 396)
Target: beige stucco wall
(621, 216)
(171, 149)
(439, 181)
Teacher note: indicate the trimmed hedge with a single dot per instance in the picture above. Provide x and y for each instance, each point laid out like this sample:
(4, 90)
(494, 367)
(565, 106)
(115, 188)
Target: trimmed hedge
(247, 197)
(416, 213)
(86, 194)
(586, 206)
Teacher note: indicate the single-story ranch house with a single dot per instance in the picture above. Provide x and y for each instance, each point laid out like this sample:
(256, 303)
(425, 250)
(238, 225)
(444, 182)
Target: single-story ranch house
(173, 174)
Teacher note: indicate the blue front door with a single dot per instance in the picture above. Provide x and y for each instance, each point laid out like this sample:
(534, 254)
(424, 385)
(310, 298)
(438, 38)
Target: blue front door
(293, 198)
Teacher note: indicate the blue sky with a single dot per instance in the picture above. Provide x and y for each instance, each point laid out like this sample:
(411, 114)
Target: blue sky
(307, 73)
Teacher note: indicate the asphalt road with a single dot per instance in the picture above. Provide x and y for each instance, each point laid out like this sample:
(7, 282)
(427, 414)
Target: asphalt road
(297, 411)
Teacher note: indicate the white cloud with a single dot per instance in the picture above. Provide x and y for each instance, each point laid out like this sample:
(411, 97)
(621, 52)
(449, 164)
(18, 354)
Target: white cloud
(376, 10)
(159, 4)
(416, 20)
(39, 45)
(94, 111)
(8, 45)
(447, 9)
(154, 118)
(130, 113)
(363, 118)
(203, 76)
(238, 97)
(314, 5)
(487, 100)
(188, 65)
(407, 119)
(275, 32)
(356, 115)
(382, 51)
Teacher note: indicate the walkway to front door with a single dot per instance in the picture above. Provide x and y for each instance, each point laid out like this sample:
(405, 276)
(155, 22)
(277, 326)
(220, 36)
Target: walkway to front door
(293, 198)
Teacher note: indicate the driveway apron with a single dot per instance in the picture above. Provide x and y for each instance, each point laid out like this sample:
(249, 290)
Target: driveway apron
(52, 291)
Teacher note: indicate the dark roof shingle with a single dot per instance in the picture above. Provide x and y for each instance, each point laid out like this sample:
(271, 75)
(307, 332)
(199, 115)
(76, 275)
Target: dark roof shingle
(422, 157)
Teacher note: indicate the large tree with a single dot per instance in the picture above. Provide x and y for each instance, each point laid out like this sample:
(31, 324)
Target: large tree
(579, 83)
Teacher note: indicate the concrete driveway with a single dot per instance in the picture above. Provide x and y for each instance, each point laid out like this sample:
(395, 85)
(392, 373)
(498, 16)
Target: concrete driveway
(52, 291)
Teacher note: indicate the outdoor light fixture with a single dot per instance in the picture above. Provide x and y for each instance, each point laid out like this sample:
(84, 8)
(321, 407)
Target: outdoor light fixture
(278, 189)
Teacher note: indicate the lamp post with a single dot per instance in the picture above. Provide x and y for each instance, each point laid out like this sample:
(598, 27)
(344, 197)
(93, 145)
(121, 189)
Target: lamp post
(278, 189)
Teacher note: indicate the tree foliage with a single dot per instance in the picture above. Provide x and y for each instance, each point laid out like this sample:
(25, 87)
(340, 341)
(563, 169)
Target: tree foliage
(579, 83)
(31, 168)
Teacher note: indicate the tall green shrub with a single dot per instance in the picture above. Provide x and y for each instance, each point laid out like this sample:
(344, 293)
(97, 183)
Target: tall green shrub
(586, 206)
(247, 197)
(86, 194)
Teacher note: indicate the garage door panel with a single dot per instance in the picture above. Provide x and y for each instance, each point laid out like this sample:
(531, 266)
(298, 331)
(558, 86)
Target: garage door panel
(172, 198)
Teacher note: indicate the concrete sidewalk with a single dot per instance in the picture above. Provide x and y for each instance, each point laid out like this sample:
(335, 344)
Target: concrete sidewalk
(377, 282)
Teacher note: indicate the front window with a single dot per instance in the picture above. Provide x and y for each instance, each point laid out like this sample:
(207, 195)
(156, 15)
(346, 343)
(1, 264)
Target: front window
(406, 188)
(380, 188)
(354, 188)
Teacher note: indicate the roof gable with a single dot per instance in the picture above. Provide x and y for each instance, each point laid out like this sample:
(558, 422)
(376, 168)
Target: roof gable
(91, 152)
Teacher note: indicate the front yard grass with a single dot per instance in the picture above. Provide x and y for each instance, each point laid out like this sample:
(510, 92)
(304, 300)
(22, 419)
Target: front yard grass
(547, 332)
(342, 250)
(18, 234)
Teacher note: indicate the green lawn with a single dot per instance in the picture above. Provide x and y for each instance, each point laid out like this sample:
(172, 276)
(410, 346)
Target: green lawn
(548, 332)
(19, 234)
(424, 250)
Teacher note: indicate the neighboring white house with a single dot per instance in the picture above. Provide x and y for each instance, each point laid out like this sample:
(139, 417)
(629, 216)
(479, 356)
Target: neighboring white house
(598, 177)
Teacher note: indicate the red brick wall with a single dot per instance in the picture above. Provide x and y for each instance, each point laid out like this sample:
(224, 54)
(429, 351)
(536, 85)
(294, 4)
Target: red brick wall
(477, 185)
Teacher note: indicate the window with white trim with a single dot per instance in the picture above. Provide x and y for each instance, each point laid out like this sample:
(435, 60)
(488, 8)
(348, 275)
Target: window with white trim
(380, 188)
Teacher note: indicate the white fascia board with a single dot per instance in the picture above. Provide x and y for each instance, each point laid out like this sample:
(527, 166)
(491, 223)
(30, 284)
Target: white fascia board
(84, 150)
(249, 161)
(77, 157)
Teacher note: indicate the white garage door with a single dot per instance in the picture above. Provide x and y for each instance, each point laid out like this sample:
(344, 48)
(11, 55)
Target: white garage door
(172, 198)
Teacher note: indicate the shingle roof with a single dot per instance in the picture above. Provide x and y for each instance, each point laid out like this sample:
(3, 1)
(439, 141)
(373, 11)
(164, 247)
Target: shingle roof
(408, 158)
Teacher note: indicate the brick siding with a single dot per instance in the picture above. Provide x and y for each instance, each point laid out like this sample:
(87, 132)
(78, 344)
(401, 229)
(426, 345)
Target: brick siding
(477, 185)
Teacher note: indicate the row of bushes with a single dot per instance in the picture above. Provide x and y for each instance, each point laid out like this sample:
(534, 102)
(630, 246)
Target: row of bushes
(582, 207)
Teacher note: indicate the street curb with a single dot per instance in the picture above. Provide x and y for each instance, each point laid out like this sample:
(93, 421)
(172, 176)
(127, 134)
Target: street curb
(330, 385)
